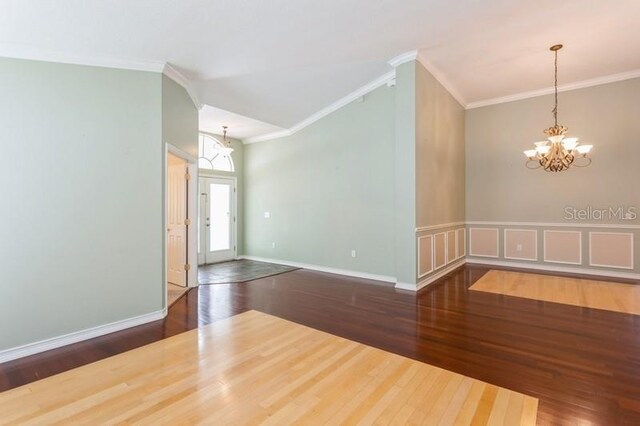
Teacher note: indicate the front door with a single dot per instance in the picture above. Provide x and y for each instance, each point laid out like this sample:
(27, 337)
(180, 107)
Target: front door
(217, 218)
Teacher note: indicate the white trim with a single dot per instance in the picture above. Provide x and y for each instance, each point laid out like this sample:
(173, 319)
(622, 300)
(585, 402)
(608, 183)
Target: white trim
(443, 225)
(435, 266)
(319, 268)
(180, 79)
(631, 267)
(562, 88)
(78, 336)
(557, 225)
(380, 81)
(420, 275)
(180, 153)
(409, 56)
(455, 246)
(504, 244)
(432, 278)
(544, 246)
(464, 250)
(26, 52)
(551, 268)
(497, 242)
(442, 79)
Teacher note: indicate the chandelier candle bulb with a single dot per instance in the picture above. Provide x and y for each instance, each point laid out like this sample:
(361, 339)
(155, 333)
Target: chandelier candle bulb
(561, 154)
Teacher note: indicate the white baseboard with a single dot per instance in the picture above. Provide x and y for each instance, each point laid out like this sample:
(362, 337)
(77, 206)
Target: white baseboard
(318, 268)
(554, 268)
(430, 279)
(78, 336)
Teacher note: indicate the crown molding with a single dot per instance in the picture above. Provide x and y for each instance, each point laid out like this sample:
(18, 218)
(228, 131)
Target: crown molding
(416, 55)
(561, 88)
(411, 55)
(180, 79)
(367, 88)
(33, 54)
(444, 81)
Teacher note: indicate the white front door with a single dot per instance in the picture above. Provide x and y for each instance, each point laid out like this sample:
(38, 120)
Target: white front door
(176, 220)
(217, 220)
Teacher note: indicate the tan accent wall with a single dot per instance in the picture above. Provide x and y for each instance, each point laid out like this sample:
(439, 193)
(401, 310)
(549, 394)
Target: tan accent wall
(563, 247)
(440, 153)
(521, 244)
(483, 242)
(611, 249)
(500, 188)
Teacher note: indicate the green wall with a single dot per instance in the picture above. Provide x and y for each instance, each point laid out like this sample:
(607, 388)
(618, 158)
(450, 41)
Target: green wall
(81, 169)
(329, 189)
(179, 117)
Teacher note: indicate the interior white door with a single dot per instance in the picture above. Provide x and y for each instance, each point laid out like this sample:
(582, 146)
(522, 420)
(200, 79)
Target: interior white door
(176, 220)
(217, 236)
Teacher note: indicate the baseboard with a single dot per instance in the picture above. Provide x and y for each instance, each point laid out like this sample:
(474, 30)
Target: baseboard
(554, 268)
(327, 269)
(78, 336)
(432, 278)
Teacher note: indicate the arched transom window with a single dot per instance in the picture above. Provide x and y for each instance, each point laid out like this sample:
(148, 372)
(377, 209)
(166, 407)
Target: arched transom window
(214, 155)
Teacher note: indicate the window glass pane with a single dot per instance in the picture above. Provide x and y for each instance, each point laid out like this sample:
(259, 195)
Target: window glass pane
(220, 217)
(204, 164)
(211, 158)
(223, 163)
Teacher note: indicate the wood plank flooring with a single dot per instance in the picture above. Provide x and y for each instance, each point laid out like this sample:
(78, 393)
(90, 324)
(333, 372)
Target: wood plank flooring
(610, 296)
(582, 364)
(254, 368)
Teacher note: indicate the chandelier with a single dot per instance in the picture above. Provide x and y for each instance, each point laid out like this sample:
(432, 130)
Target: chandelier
(559, 152)
(226, 148)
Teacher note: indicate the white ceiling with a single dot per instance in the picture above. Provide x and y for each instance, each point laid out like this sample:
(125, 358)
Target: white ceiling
(240, 127)
(280, 61)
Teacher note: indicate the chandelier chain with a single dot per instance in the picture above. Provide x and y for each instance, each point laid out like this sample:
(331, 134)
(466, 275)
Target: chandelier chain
(555, 108)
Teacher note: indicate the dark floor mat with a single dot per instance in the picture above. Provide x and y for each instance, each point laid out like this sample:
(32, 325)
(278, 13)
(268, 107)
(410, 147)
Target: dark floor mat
(237, 271)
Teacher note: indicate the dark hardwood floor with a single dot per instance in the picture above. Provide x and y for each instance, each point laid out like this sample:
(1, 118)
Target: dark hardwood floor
(582, 364)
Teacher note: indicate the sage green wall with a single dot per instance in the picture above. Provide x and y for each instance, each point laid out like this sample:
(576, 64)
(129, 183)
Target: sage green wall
(440, 152)
(501, 188)
(81, 174)
(405, 173)
(329, 189)
(238, 162)
(179, 117)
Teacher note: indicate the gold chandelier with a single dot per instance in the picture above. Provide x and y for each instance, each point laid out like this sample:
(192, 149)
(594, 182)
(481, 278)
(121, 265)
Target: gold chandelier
(563, 152)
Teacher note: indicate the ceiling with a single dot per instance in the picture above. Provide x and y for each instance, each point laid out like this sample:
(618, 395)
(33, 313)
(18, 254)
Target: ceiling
(240, 127)
(281, 61)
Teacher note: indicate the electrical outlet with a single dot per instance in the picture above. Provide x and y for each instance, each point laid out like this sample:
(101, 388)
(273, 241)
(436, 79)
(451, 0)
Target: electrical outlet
(353, 253)
(267, 215)
(273, 245)
(519, 247)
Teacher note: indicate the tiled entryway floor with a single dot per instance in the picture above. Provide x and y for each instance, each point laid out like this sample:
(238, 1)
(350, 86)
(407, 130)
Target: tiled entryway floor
(237, 271)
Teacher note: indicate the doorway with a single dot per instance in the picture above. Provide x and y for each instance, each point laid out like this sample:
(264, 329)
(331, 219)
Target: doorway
(217, 220)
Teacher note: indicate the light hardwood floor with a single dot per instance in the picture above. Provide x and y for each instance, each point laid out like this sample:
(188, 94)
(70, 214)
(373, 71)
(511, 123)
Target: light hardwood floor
(609, 296)
(255, 368)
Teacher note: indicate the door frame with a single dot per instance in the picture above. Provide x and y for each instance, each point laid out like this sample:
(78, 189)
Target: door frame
(192, 209)
(234, 228)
